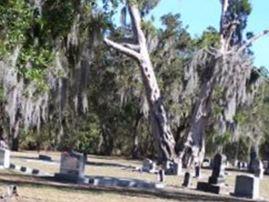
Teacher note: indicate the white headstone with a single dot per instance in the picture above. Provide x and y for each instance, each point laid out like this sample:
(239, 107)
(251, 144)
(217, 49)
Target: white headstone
(260, 171)
(4, 158)
(247, 186)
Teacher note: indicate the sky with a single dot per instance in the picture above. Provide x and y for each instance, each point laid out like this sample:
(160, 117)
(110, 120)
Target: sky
(199, 14)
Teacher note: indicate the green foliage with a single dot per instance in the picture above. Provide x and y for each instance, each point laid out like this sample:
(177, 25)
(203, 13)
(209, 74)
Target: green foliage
(210, 38)
(16, 17)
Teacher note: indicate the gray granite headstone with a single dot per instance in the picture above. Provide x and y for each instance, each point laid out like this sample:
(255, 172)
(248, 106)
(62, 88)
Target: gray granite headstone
(4, 158)
(247, 186)
(149, 166)
(72, 167)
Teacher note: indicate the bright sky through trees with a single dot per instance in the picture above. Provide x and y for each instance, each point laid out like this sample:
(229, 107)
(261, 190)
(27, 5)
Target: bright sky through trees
(199, 14)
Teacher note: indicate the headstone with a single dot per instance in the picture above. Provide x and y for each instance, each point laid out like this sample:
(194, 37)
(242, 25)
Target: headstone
(218, 171)
(266, 167)
(197, 171)
(4, 158)
(206, 163)
(161, 175)
(217, 178)
(187, 180)
(173, 168)
(72, 167)
(254, 166)
(236, 163)
(149, 166)
(260, 171)
(247, 186)
(239, 165)
(254, 160)
(244, 165)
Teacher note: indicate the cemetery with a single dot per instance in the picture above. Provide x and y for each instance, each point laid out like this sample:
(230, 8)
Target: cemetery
(134, 100)
(72, 172)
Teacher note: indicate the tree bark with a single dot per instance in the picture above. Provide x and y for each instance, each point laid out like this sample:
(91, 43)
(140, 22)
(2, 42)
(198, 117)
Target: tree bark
(196, 134)
(15, 136)
(164, 139)
(135, 151)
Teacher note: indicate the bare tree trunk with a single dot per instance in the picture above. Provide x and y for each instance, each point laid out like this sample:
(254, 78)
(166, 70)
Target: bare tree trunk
(135, 151)
(15, 136)
(164, 139)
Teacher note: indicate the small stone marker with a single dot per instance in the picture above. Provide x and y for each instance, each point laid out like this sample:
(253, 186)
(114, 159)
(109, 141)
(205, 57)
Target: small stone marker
(206, 163)
(197, 171)
(4, 158)
(44, 157)
(247, 186)
(187, 180)
(239, 165)
(161, 175)
(266, 167)
(72, 167)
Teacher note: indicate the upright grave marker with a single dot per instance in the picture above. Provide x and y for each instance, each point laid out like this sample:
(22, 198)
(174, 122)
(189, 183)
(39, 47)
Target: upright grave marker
(72, 167)
(217, 178)
(247, 186)
(4, 158)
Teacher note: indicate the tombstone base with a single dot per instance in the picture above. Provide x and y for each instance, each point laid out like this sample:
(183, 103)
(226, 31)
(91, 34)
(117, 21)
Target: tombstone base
(62, 177)
(216, 180)
(206, 187)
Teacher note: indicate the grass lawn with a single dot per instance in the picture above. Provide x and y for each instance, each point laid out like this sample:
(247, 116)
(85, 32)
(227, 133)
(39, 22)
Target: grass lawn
(105, 166)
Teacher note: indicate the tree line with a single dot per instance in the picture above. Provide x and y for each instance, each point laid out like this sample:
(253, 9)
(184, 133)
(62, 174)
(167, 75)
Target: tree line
(72, 78)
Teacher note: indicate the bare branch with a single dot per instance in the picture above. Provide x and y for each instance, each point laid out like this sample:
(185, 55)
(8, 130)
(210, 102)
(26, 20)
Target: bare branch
(134, 47)
(121, 48)
(136, 19)
(253, 39)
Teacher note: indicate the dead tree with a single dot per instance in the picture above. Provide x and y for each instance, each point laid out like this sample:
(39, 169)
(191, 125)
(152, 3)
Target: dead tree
(163, 136)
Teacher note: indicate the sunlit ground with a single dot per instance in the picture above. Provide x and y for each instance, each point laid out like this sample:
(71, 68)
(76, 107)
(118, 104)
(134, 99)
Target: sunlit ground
(103, 166)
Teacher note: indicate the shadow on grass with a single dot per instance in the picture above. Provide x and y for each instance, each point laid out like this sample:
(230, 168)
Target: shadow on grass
(49, 182)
